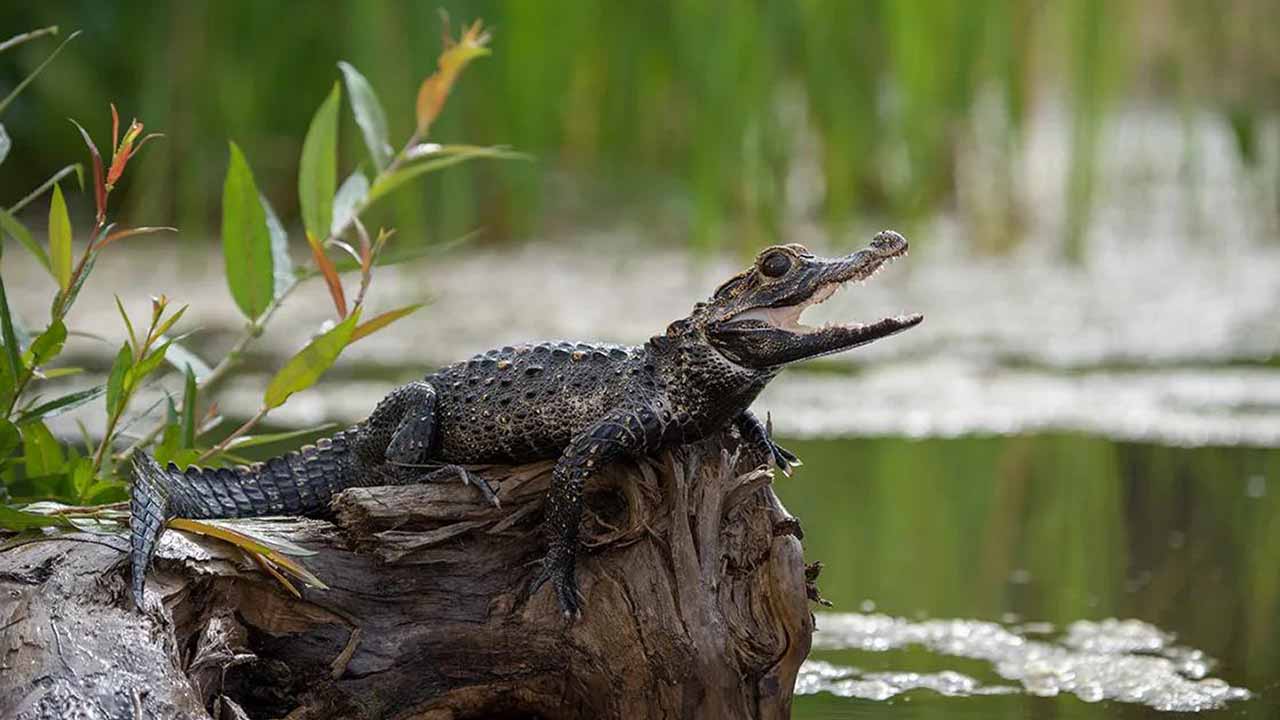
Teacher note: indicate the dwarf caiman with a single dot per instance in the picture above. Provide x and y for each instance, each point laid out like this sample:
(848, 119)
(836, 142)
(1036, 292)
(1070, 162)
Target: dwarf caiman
(587, 404)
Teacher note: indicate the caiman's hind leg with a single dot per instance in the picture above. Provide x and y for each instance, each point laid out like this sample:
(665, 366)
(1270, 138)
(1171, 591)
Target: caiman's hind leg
(759, 437)
(401, 431)
(401, 428)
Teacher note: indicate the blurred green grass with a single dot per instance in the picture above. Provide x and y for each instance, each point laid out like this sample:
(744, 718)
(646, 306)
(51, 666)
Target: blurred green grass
(678, 112)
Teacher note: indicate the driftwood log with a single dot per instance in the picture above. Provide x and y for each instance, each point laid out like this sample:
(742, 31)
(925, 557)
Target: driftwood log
(696, 606)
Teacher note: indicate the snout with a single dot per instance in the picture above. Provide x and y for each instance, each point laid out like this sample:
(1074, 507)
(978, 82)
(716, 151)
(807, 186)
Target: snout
(885, 246)
(888, 244)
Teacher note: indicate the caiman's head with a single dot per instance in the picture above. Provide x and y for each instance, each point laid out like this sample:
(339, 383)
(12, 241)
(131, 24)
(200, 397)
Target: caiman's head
(754, 318)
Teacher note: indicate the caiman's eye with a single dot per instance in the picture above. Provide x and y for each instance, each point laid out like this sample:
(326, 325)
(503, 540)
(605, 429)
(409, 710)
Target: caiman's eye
(775, 264)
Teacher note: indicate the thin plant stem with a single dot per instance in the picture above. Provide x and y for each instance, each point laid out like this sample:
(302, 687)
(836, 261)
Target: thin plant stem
(100, 455)
(90, 510)
(28, 36)
(226, 442)
(44, 187)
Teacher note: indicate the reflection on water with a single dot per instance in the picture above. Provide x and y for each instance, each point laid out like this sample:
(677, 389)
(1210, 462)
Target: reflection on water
(1067, 531)
(1125, 660)
(820, 676)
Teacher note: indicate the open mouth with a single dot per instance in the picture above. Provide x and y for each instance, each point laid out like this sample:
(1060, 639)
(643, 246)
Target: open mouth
(788, 317)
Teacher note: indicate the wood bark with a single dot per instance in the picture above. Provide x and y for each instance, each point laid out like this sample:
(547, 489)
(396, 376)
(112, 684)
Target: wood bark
(695, 606)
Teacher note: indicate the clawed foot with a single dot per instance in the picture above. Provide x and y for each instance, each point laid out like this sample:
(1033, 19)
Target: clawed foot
(468, 478)
(761, 439)
(445, 472)
(558, 567)
(783, 459)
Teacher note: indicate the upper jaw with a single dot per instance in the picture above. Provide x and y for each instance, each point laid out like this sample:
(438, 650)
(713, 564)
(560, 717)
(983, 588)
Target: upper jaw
(886, 246)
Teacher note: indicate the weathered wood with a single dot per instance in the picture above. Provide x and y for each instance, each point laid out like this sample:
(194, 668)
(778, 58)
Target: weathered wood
(695, 606)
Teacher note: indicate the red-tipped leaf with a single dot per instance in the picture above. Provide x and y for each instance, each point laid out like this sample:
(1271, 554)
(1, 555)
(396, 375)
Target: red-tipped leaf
(99, 184)
(130, 232)
(455, 56)
(330, 273)
(115, 127)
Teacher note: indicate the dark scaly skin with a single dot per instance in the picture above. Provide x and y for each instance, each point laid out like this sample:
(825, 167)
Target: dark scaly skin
(586, 404)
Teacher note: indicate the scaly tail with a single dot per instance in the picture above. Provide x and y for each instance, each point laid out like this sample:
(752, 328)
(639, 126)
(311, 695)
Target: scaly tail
(298, 483)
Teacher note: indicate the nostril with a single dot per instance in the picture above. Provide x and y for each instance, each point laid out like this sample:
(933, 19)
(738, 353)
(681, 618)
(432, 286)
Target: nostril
(888, 241)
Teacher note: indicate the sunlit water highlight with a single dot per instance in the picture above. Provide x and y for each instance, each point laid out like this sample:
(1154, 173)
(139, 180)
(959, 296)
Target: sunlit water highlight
(1122, 660)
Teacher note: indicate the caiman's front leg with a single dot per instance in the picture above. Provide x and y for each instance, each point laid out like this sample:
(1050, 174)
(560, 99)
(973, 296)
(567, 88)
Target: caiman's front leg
(758, 436)
(621, 433)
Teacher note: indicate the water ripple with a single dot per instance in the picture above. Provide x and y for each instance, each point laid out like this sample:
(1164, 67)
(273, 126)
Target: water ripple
(1121, 660)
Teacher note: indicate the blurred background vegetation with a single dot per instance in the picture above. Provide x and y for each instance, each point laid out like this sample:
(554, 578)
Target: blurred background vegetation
(692, 116)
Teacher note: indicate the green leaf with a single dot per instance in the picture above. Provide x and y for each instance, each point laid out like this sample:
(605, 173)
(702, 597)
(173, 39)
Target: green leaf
(302, 370)
(17, 520)
(9, 439)
(105, 491)
(63, 301)
(318, 168)
(117, 389)
(171, 438)
(383, 320)
(81, 472)
(25, 81)
(52, 373)
(29, 488)
(60, 405)
(347, 202)
(128, 324)
(160, 327)
(444, 157)
(41, 451)
(168, 446)
(369, 116)
(8, 385)
(13, 362)
(282, 264)
(189, 397)
(245, 441)
(246, 240)
(11, 226)
(189, 456)
(60, 239)
(5, 143)
(146, 366)
(47, 346)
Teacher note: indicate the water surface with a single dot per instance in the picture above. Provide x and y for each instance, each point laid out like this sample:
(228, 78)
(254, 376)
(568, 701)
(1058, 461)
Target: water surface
(1047, 539)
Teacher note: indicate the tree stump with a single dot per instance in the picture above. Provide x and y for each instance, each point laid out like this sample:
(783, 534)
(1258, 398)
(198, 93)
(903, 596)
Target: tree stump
(693, 576)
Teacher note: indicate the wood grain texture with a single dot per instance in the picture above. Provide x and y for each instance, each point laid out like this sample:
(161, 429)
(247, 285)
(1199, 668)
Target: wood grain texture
(695, 606)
